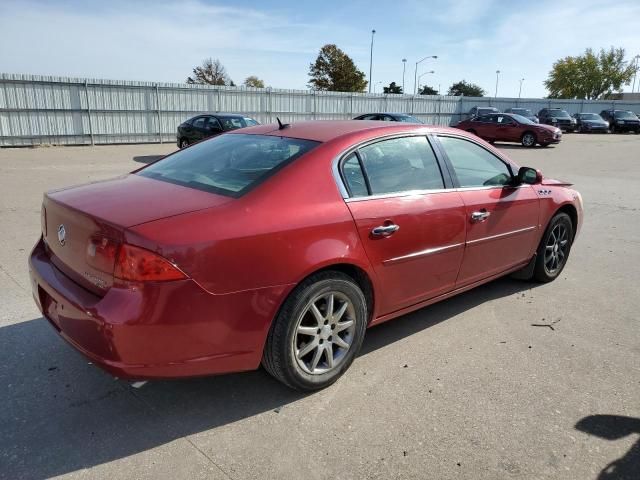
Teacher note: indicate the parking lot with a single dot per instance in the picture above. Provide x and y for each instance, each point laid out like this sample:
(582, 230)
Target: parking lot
(510, 380)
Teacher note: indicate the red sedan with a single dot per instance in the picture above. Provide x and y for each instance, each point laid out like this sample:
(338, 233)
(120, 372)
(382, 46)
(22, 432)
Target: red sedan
(282, 245)
(510, 127)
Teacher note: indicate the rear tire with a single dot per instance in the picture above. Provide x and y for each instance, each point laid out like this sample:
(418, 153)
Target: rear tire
(184, 143)
(555, 246)
(528, 140)
(317, 333)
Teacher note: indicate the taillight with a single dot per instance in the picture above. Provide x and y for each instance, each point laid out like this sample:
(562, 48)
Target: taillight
(43, 220)
(140, 265)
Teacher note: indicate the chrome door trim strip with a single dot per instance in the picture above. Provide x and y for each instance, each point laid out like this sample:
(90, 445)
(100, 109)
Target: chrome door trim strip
(406, 193)
(501, 235)
(422, 253)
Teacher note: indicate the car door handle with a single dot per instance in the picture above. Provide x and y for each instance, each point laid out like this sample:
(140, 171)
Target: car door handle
(385, 230)
(480, 216)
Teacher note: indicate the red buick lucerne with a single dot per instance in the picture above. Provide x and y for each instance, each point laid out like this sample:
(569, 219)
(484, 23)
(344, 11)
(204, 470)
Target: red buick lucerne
(281, 245)
(510, 127)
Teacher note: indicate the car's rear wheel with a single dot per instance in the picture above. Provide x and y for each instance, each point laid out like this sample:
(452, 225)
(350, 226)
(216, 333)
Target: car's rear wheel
(184, 143)
(317, 333)
(554, 248)
(528, 140)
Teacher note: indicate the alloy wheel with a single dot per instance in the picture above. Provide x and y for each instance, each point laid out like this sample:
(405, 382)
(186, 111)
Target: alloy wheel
(556, 249)
(324, 333)
(528, 140)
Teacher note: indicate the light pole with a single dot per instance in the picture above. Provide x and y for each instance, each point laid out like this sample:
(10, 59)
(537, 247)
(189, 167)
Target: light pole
(422, 75)
(520, 91)
(637, 57)
(415, 75)
(497, 76)
(373, 32)
(404, 67)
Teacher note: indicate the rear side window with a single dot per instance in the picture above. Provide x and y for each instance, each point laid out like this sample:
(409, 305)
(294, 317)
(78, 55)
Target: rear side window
(199, 122)
(473, 165)
(228, 164)
(401, 164)
(353, 176)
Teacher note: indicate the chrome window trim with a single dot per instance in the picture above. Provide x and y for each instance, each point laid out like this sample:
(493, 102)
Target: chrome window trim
(501, 235)
(410, 193)
(421, 253)
(335, 164)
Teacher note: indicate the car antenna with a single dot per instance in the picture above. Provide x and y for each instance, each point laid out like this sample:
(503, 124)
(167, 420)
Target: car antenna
(282, 126)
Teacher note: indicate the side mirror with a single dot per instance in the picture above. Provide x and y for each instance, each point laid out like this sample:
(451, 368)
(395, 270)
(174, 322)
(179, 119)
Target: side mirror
(529, 176)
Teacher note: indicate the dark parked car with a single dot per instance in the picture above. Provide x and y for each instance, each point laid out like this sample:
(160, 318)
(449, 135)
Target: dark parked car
(508, 127)
(525, 112)
(389, 117)
(621, 120)
(558, 118)
(477, 111)
(590, 123)
(210, 125)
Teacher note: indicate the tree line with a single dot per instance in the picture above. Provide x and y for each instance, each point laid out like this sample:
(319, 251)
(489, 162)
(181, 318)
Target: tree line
(588, 76)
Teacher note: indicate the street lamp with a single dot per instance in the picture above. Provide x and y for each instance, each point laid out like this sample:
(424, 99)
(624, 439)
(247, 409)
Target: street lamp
(497, 76)
(520, 91)
(404, 67)
(373, 32)
(422, 75)
(415, 76)
(637, 57)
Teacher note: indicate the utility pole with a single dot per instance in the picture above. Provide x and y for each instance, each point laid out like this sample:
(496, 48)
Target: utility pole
(497, 76)
(373, 32)
(404, 67)
(520, 91)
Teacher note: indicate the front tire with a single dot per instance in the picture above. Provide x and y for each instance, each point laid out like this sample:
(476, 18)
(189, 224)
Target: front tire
(184, 143)
(554, 248)
(528, 140)
(317, 333)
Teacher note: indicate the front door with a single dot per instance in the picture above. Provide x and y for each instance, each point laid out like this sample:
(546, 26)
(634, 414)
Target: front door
(507, 129)
(501, 219)
(412, 229)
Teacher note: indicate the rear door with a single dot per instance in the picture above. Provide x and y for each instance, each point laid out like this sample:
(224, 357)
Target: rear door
(486, 126)
(501, 219)
(411, 226)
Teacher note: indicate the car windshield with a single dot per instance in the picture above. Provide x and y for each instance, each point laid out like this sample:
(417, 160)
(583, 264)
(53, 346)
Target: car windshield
(521, 119)
(233, 123)
(408, 119)
(590, 116)
(559, 114)
(628, 115)
(522, 111)
(228, 164)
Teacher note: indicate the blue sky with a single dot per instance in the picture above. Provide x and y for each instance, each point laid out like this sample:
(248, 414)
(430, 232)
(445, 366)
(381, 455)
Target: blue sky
(277, 40)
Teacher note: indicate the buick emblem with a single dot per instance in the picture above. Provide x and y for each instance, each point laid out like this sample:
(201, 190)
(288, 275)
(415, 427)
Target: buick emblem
(62, 234)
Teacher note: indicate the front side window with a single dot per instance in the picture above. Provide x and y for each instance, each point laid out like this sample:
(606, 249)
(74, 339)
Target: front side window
(473, 165)
(228, 164)
(401, 164)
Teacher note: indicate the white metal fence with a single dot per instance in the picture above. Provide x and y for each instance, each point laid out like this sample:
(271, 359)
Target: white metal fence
(37, 110)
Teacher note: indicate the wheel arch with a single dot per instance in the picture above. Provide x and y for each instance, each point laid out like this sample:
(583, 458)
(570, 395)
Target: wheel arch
(573, 215)
(532, 132)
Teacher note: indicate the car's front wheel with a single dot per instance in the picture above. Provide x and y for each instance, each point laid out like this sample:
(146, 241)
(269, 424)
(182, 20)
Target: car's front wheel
(184, 143)
(554, 248)
(317, 333)
(528, 140)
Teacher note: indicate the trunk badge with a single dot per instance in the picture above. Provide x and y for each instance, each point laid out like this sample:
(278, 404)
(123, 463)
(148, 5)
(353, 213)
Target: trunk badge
(62, 234)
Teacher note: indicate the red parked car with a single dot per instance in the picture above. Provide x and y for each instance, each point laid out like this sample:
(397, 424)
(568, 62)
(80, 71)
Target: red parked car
(281, 246)
(510, 127)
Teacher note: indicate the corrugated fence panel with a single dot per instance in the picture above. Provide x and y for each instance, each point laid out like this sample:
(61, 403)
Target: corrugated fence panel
(38, 110)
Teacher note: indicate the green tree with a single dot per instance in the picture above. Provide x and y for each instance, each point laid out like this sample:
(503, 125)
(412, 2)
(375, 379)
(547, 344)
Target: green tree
(253, 81)
(467, 89)
(211, 72)
(427, 90)
(335, 71)
(392, 88)
(590, 76)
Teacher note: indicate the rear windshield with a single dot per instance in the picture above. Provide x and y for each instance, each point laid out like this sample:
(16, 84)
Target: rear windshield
(228, 164)
(623, 114)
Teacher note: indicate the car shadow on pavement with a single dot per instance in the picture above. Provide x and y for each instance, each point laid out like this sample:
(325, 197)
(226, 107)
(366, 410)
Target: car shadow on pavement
(61, 414)
(615, 427)
(147, 159)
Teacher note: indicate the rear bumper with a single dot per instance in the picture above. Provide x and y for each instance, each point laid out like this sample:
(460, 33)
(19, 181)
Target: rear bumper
(159, 329)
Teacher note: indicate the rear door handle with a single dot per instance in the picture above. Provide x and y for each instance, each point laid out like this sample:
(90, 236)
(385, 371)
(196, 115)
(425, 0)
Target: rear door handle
(480, 216)
(385, 230)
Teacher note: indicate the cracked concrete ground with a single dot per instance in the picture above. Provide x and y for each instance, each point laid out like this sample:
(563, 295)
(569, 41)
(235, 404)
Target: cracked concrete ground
(467, 388)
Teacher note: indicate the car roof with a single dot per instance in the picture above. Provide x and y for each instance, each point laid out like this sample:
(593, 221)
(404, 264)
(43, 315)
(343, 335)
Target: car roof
(327, 130)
